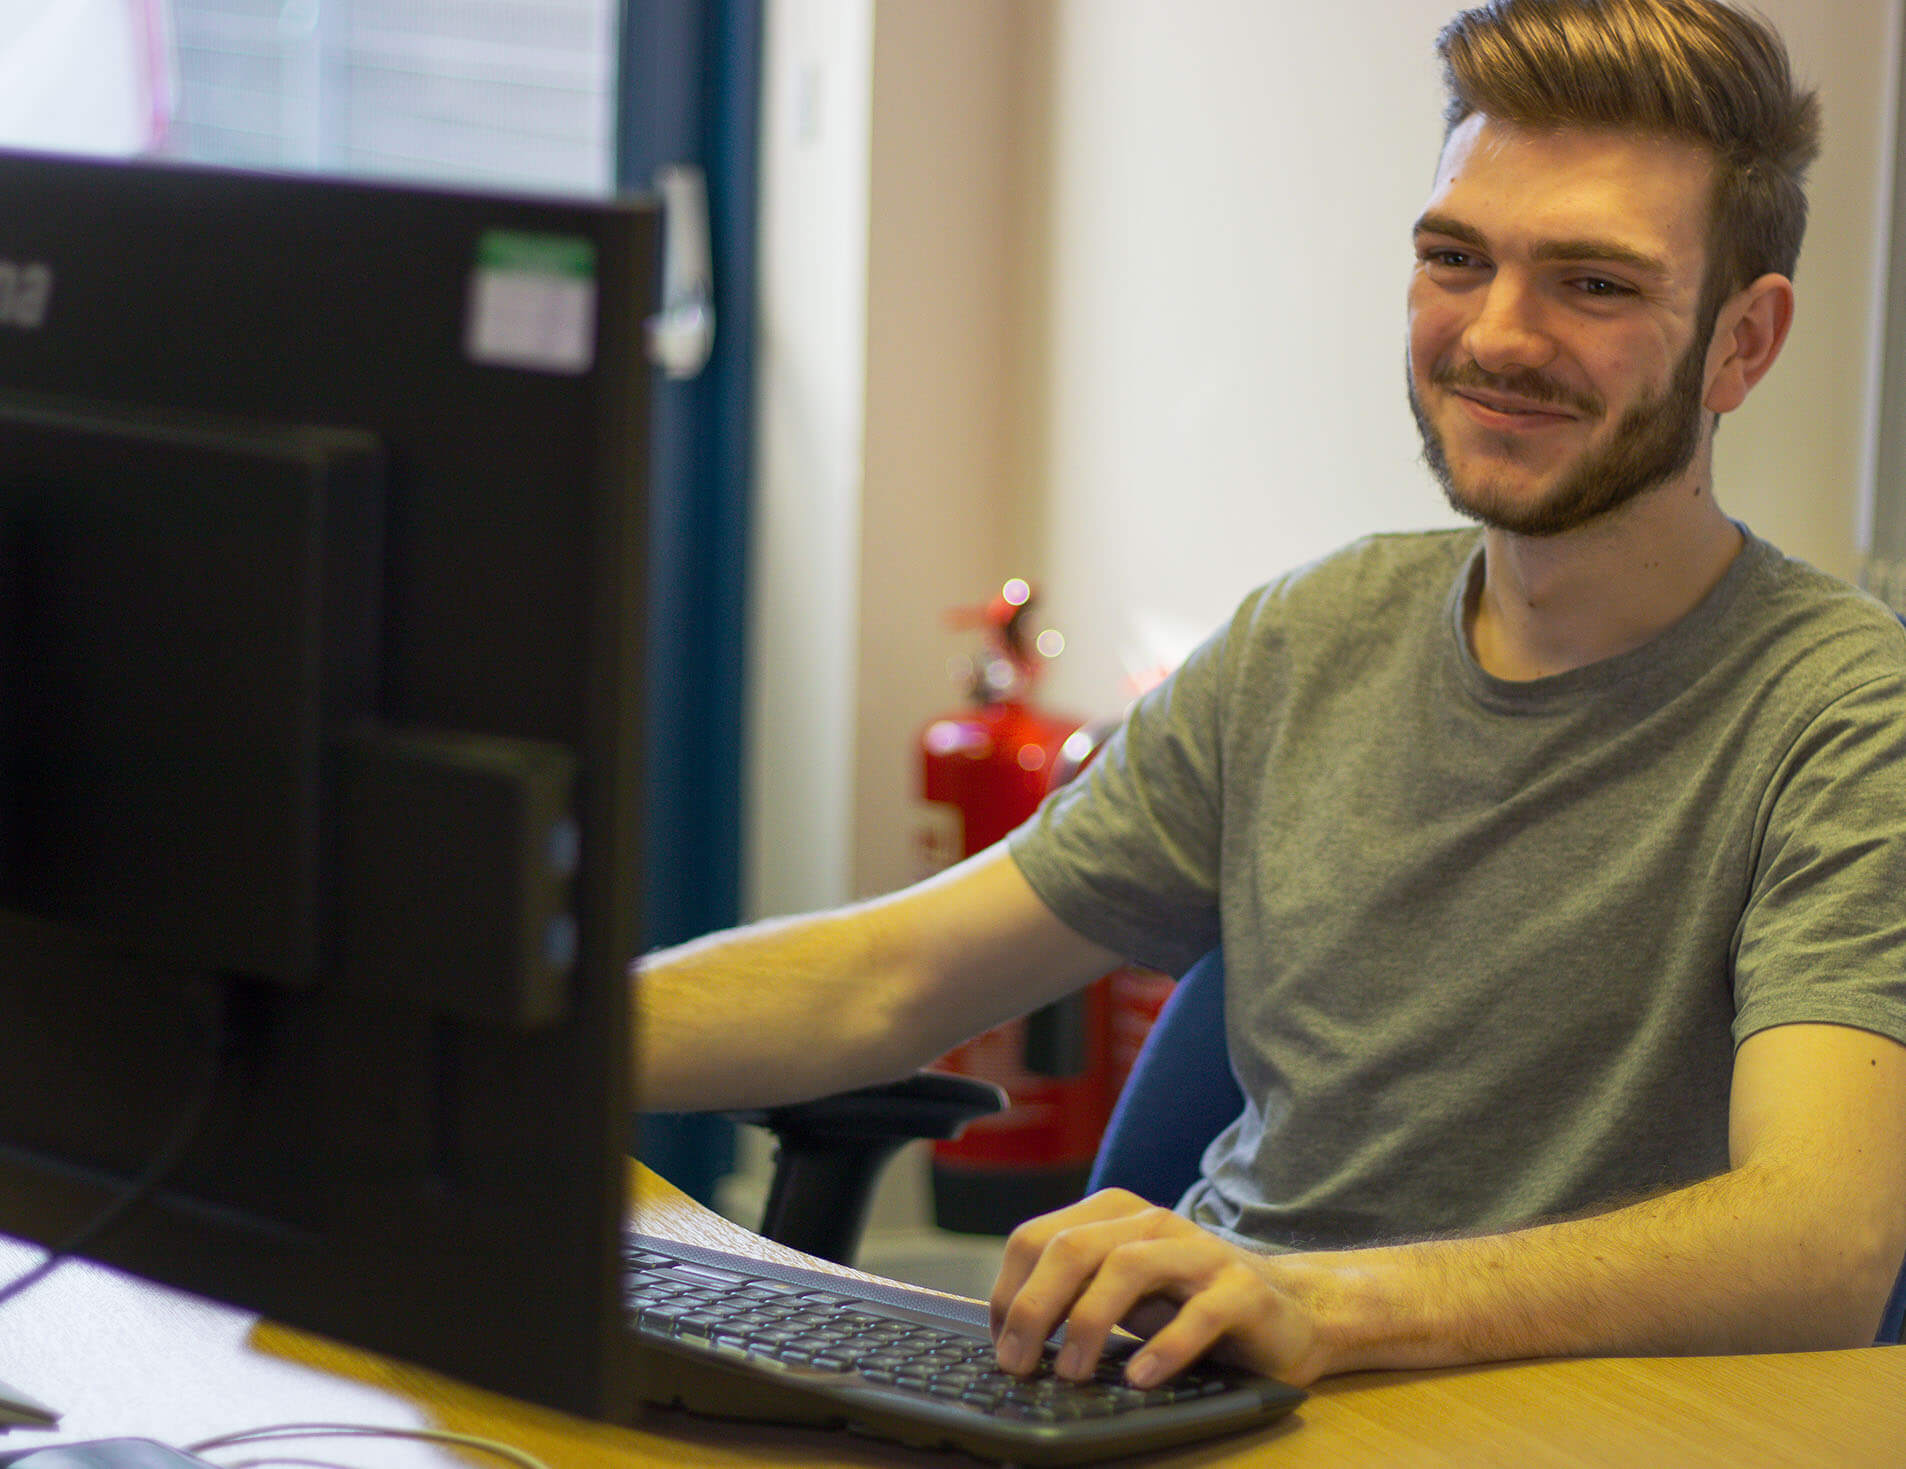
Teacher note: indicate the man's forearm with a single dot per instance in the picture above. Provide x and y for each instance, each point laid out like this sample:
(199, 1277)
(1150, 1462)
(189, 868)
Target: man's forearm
(1795, 1247)
(1732, 1264)
(797, 1008)
(764, 1015)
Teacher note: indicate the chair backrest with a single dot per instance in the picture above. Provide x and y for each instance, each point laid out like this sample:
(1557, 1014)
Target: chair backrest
(1182, 1094)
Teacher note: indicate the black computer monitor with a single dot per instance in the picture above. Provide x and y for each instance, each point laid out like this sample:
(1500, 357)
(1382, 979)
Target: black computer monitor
(321, 627)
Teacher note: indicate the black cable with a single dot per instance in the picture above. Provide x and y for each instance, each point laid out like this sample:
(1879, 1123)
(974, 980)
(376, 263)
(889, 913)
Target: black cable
(184, 1133)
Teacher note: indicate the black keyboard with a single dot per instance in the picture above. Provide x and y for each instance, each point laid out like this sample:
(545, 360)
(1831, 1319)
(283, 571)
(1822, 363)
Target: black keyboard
(733, 1337)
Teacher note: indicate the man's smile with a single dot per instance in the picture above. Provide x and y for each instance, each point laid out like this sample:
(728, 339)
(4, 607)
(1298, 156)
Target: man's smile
(1504, 411)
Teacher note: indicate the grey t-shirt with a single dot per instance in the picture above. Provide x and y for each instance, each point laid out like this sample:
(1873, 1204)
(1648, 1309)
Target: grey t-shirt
(1490, 946)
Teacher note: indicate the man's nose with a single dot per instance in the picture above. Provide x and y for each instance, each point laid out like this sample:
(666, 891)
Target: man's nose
(1509, 330)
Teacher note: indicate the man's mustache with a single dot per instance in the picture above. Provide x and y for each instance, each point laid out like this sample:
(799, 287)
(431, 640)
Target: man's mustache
(1526, 384)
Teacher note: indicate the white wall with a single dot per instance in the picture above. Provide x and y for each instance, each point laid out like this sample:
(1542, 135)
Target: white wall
(1130, 322)
(1794, 461)
(888, 257)
(942, 319)
(810, 427)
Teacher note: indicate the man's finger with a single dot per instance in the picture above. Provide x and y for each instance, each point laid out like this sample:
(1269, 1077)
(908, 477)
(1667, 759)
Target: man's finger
(1073, 1246)
(1026, 1246)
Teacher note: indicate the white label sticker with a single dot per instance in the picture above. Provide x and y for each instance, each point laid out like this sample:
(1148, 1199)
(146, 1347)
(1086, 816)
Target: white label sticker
(533, 303)
(939, 836)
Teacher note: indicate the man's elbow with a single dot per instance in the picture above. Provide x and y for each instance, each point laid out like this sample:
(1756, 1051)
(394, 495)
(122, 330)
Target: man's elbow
(1882, 1276)
(1847, 1306)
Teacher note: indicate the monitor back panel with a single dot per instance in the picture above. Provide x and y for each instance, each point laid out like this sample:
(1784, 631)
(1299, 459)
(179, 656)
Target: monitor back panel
(322, 516)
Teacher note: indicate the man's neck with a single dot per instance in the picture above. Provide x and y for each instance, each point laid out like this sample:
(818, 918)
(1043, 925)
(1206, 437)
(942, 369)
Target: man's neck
(1553, 603)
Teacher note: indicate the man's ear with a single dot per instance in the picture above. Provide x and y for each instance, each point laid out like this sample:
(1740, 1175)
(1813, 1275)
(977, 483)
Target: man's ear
(1748, 335)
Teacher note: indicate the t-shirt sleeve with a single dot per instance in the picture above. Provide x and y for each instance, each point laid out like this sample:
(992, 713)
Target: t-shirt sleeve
(1823, 936)
(1128, 853)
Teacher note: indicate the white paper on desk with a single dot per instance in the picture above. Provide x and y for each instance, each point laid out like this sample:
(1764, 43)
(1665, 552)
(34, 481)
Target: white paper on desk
(118, 1357)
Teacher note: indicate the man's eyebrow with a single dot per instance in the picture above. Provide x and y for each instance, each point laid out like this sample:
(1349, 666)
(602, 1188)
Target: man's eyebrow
(1608, 252)
(1455, 229)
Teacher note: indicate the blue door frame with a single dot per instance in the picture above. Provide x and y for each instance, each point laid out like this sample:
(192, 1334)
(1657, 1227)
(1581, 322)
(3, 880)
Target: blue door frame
(689, 93)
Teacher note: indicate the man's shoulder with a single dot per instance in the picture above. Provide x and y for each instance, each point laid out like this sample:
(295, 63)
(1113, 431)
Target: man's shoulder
(1798, 583)
(1392, 570)
(1805, 615)
(1340, 610)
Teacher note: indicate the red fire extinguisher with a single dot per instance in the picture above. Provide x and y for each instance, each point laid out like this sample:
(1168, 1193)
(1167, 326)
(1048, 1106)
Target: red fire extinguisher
(984, 769)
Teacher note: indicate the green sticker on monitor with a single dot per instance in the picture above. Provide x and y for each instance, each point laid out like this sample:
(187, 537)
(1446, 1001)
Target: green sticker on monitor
(532, 302)
(558, 255)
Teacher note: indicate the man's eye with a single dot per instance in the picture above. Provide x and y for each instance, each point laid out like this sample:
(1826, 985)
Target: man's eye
(1595, 285)
(1454, 259)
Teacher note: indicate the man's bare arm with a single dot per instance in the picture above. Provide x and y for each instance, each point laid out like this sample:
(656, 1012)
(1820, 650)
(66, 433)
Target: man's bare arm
(795, 1008)
(1794, 1247)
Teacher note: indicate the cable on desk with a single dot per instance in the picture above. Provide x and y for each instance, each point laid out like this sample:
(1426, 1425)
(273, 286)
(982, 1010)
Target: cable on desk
(184, 1133)
(292, 1431)
(277, 1461)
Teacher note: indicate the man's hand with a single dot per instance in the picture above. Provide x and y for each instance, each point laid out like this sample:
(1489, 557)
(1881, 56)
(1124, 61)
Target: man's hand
(1114, 1259)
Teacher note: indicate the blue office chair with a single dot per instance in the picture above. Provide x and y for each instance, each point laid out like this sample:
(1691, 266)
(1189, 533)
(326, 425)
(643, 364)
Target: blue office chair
(1181, 1094)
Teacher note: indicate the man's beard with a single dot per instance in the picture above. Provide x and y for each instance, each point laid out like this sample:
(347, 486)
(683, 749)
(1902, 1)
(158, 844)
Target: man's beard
(1655, 440)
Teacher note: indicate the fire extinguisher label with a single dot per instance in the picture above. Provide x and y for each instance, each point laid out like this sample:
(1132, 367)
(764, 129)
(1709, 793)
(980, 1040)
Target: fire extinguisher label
(939, 836)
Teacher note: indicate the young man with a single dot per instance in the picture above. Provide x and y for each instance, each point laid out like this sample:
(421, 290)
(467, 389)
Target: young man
(1557, 864)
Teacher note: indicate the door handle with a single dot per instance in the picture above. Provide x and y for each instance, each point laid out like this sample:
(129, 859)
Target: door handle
(682, 334)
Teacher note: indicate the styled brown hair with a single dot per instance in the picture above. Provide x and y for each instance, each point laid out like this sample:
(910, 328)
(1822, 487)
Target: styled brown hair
(1696, 70)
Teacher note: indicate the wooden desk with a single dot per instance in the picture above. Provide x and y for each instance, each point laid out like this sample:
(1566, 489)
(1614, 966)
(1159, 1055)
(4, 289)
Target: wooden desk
(120, 1357)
